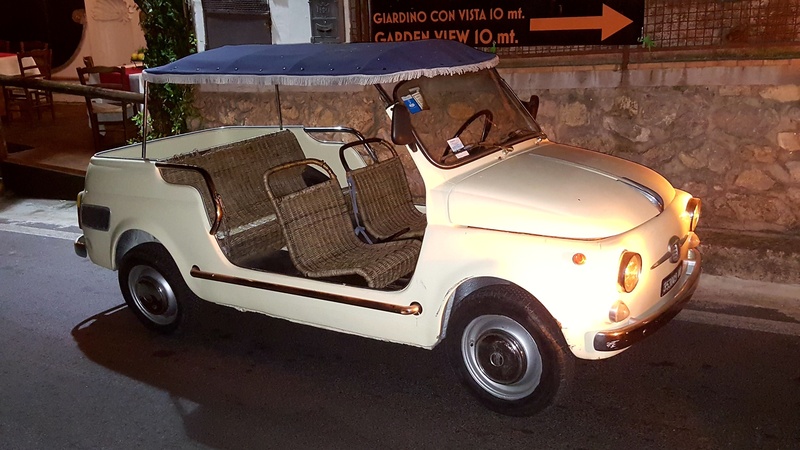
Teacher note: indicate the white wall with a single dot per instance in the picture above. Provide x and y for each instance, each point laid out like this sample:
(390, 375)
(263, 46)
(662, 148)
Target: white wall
(291, 21)
(111, 33)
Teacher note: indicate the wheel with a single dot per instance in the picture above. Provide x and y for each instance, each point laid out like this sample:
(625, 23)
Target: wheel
(154, 288)
(487, 126)
(508, 351)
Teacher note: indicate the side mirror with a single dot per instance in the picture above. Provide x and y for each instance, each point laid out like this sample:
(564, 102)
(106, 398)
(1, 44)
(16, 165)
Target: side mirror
(402, 133)
(532, 105)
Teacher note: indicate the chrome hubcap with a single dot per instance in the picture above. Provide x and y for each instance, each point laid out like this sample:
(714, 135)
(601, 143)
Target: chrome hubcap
(153, 295)
(501, 356)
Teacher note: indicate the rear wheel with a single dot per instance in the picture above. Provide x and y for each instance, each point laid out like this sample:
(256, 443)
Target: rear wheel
(154, 288)
(508, 351)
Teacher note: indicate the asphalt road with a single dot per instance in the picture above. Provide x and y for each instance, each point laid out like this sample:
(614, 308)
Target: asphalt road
(77, 370)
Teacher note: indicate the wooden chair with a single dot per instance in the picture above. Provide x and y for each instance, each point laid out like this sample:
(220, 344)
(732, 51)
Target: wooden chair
(25, 46)
(383, 207)
(316, 224)
(34, 64)
(103, 112)
(88, 61)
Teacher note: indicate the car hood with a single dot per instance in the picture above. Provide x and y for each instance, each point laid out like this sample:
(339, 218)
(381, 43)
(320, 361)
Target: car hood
(561, 191)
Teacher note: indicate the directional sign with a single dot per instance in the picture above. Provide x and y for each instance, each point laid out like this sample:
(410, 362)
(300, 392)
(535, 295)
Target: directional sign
(609, 23)
(509, 23)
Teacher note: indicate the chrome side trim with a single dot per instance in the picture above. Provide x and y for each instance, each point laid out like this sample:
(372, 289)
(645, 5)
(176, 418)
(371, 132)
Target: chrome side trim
(650, 194)
(414, 309)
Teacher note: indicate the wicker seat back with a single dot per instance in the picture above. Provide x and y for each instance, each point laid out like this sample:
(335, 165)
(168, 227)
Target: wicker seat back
(248, 222)
(316, 224)
(384, 202)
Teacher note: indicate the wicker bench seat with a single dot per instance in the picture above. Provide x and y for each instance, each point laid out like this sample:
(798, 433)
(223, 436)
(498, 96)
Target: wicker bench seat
(316, 224)
(249, 228)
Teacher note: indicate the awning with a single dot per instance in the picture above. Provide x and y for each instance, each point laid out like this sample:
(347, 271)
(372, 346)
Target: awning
(323, 64)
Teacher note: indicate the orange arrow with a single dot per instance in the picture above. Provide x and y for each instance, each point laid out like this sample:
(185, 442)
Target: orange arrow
(610, 22)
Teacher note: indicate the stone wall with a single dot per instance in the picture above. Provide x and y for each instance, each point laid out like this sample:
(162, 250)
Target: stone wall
(726, 131)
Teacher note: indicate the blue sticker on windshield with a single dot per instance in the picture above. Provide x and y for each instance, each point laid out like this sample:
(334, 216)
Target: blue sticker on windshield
(412, 104)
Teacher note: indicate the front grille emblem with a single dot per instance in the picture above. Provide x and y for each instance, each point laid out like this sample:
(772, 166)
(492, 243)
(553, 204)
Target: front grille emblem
(673, 253)
(674, 250)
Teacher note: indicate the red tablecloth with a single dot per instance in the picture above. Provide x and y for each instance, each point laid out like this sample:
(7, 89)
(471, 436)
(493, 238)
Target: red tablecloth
(114, 77)
(7, 54)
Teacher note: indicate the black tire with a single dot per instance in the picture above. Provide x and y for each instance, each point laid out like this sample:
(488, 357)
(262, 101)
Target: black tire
(155, 290)
(508, 351)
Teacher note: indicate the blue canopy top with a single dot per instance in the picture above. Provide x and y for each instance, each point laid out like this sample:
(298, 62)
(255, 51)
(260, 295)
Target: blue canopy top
(323, 64)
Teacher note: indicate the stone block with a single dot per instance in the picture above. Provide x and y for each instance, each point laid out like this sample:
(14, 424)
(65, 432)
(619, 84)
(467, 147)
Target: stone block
(627, 129)
(574, 115)
(754, 180)
(789, 141)
(734, 91)
(760, 212)
(764, 154)
(627, 106)
(744, 121)
(794, 170)
(779, 173)
(784, 93)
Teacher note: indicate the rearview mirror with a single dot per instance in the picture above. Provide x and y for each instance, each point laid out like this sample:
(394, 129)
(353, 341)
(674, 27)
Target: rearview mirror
(402, 134)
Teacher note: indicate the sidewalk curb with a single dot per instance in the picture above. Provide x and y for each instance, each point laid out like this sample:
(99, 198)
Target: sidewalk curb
(732, 291)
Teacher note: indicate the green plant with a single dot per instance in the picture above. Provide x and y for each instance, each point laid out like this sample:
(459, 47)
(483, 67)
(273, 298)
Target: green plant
(169, 33)
(647, 42)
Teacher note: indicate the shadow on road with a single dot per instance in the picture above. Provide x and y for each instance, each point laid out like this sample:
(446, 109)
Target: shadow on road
(248, 379)
(243, 380)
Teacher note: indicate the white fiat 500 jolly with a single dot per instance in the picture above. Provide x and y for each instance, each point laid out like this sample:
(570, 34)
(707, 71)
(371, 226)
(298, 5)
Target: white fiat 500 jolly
(518, 254)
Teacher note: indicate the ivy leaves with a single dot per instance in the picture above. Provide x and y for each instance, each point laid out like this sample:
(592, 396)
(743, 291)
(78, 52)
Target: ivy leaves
(169, 33)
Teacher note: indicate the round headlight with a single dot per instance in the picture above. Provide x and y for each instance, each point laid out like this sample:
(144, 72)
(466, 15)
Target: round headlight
(693, 208)
(630, 268)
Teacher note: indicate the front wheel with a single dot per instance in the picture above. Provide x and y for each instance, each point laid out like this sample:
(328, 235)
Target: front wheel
(154, 288)
(508, 351)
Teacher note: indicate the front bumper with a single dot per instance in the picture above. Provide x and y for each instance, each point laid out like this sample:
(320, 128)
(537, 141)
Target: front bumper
(615, 340)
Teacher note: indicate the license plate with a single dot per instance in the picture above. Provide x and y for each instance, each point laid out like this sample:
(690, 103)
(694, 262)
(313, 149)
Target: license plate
(670, 281)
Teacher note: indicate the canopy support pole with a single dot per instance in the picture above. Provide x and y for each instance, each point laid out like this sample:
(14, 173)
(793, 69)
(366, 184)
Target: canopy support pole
(278, 100)
(144, 122)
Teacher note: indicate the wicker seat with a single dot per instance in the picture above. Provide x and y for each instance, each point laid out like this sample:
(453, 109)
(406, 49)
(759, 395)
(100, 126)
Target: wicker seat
(316, 225)
(248, 226)
(382, 201)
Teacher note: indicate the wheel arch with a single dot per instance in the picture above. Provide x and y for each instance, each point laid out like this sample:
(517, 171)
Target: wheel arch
(462, 292)
(128, 240)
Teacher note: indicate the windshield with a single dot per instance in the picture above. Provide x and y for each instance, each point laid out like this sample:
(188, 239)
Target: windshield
(460, 118)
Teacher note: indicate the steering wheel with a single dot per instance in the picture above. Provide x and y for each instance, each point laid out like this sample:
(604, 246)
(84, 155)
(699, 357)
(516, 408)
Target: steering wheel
(487, 126)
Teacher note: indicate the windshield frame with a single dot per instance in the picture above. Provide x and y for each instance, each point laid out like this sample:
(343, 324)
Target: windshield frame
(533, 132)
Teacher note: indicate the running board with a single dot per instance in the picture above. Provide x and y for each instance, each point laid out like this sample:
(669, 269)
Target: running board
(414, 309)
